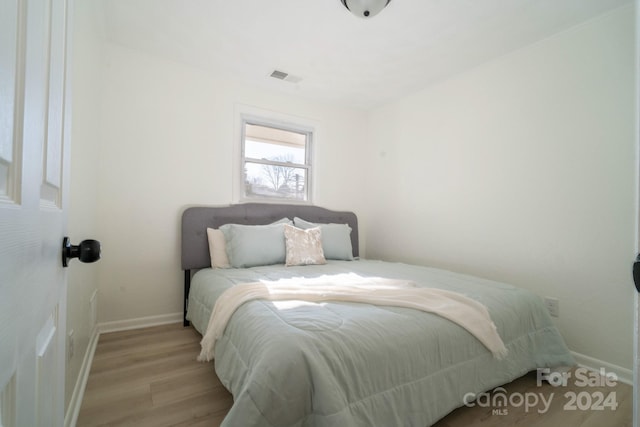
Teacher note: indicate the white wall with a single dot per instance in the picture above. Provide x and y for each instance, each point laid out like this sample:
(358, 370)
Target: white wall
(522, 170)
(167, 142)
(82, 278)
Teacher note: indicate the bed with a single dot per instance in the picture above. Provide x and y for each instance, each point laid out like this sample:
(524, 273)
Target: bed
(334, 363)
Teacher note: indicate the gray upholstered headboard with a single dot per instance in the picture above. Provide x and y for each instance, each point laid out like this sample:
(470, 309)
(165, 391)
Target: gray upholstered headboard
(195, 220)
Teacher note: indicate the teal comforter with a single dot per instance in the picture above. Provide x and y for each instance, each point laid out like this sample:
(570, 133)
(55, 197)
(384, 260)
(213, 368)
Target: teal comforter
(294, 363)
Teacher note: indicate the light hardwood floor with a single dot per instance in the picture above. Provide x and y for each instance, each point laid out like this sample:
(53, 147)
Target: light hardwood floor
(149, 377)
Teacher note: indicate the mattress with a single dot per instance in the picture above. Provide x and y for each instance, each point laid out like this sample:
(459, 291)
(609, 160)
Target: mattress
(295, 363)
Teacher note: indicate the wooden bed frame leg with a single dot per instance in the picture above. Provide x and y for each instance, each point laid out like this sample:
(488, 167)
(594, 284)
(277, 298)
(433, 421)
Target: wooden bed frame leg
(187, 286)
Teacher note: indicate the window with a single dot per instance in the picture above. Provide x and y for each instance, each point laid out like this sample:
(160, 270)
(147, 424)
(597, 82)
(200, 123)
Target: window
(276, 161)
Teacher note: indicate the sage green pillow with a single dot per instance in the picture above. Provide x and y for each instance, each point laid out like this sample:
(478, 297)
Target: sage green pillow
(336, 239)
(254, 245)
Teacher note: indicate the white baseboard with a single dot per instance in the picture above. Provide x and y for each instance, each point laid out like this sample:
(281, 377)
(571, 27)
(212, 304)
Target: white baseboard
(624, 375)
(141, 322)
(71, 417)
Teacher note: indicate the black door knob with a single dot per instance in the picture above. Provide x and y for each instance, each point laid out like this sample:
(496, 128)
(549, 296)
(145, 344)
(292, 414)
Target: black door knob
(636, 273)
(86, 251)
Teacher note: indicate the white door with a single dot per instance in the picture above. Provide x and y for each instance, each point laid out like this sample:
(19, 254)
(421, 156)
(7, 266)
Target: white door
(636, 351)
(34, 141)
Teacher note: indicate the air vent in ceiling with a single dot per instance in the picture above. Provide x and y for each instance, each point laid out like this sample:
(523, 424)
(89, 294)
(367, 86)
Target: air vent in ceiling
(281, 75)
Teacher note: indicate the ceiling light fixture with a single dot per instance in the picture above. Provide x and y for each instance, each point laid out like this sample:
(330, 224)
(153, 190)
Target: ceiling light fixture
(365, 8)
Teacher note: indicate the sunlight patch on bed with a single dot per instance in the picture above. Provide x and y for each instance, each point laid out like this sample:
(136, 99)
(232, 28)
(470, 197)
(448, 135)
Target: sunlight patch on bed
(292, 304)
(342, 279)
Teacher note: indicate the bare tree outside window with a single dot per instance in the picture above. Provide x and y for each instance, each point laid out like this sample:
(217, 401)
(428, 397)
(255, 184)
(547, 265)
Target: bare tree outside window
(278, 176)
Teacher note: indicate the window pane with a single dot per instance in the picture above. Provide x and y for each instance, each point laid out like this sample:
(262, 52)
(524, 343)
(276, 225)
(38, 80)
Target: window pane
(270, 151)
(275, 181)
(276, 161)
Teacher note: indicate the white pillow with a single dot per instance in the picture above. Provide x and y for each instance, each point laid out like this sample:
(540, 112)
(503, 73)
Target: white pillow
(217, 249)
(303, 247)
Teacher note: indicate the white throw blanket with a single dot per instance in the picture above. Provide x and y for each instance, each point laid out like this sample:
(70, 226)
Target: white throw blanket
(468, 313)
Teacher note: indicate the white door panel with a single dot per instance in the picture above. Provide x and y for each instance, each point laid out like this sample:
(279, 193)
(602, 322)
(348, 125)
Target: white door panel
(34, 117)
(11, 68)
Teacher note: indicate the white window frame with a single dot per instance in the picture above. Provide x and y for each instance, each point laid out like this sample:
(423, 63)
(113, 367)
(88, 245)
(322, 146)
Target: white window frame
(251, 115)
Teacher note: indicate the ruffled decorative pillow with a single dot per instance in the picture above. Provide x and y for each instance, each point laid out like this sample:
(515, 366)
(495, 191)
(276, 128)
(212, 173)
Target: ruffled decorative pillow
(303, 247)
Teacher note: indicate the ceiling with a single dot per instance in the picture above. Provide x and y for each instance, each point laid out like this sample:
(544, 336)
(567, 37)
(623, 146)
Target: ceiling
(339, 57)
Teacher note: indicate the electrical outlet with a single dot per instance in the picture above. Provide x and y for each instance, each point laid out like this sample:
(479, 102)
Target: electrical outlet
(553, 306)
(71, 345)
